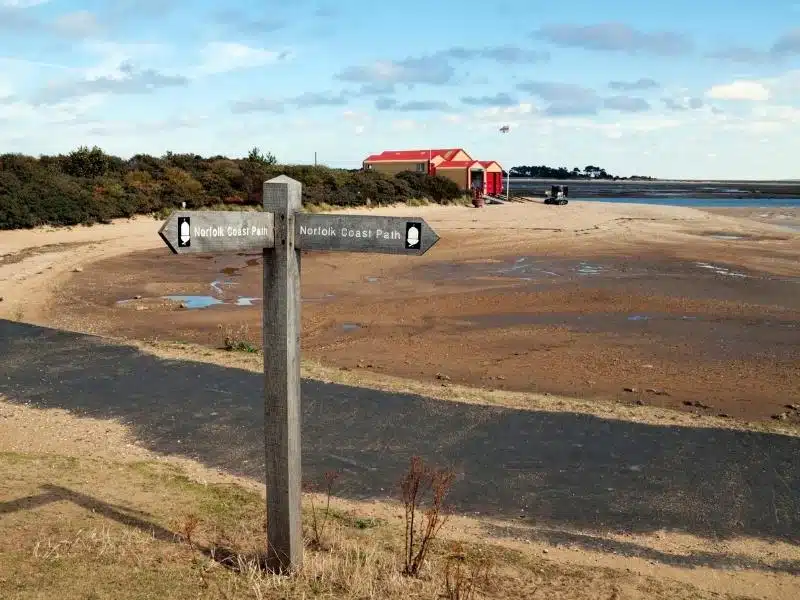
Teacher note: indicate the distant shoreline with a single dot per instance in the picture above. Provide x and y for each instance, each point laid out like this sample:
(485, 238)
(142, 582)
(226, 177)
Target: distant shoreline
(786, 182)
(683, 193)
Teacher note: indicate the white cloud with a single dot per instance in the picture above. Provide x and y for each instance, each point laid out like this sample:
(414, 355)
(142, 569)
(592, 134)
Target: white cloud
(125, 50)
(406, 125)
(764, 119)
(26, 118)
(784, 88)
(359, 119)
(9, 62)
(78, 24)
(22, 3)
(506, 115)
(779, 113)
(740, 90)
(115, 54)
(221, 57)
(128, 128)
(352, 115)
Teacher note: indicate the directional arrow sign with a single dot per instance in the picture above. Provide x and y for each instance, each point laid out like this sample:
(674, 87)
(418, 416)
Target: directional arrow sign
(271, 232)
(364, 233)
(218, 231)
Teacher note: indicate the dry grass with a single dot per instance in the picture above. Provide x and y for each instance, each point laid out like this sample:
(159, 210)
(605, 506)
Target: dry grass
(87, 528)
(239, 339)
(322, 207)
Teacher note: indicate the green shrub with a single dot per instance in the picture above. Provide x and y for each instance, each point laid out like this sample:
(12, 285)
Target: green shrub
(90, 186)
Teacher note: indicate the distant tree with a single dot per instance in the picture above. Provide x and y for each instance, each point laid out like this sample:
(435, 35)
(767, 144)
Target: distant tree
(87, 163)
(179, 186)
(545, 172)
(256, 156)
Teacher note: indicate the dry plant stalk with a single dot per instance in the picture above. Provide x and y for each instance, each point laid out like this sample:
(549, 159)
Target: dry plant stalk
(464, 578)
(318, 526)
(420, 531)
(188, 526)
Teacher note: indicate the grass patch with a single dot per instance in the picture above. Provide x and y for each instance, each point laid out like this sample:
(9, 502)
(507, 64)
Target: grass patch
(461, 201)
(20, 459)
(238, 339)
(320, 207)
(86, 528)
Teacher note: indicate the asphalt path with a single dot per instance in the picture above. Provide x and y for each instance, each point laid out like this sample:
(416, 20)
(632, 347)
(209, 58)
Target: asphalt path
(566, 471)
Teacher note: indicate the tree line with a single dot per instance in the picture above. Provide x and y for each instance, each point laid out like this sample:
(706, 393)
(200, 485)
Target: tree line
(588, 172)
(89, 186)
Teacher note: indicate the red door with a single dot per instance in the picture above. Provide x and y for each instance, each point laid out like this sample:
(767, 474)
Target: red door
(491, 183)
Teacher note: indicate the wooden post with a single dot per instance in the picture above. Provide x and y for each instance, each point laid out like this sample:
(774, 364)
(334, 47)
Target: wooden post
(280, 232)
(282, 411)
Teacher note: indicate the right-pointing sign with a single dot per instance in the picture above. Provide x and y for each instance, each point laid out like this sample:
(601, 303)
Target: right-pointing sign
(364, 233)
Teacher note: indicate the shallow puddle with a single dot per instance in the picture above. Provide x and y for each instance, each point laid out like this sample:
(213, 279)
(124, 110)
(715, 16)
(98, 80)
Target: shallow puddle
(527, 268)
(720, 270)
(245, 301)
(195, 301)
(588, 269)
(555, 271)
(606, 321)
(725, 235)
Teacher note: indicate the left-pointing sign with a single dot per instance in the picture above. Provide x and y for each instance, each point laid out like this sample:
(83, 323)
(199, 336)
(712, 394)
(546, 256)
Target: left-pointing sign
(218, 231)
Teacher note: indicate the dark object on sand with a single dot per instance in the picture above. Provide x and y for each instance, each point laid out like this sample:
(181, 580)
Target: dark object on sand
(557, 195)
(477, 197)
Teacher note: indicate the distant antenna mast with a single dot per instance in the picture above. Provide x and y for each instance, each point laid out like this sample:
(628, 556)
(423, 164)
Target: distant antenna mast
(506, 129)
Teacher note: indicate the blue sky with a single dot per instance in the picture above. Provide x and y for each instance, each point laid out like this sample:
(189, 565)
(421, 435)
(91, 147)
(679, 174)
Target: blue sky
(673, 89)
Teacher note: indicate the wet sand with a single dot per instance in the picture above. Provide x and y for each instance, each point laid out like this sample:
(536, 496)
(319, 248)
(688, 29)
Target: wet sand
(766, 192)
(785, 217)
(678, 309)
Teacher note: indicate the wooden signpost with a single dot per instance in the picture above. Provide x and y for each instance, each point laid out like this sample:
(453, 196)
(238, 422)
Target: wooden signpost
(281, 232)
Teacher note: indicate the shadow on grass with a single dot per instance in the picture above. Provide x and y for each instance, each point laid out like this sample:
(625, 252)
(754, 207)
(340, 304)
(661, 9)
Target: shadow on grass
(120, 514)
(599, 543)
(555, 469)
(225, 556)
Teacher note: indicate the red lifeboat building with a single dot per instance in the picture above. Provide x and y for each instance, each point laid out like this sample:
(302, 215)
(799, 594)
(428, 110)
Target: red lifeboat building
(453, 163)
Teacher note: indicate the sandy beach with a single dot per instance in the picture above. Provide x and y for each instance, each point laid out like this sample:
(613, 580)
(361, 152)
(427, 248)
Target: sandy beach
(611, 382)
(683, 308)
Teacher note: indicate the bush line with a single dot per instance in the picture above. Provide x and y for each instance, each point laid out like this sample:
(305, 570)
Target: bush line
(88, 186)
